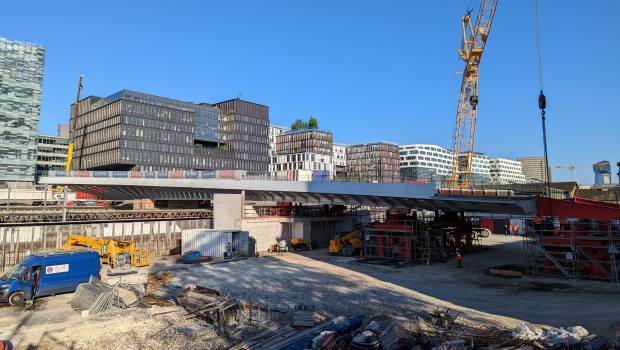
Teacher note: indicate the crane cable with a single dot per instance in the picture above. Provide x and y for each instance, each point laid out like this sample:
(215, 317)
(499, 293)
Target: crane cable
(542, 100)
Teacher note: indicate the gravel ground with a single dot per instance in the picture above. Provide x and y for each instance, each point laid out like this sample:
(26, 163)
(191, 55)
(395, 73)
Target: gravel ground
(331, 286)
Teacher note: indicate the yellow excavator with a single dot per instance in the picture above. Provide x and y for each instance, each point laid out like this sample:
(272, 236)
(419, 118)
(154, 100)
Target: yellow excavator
(348, 243)
(115, 253)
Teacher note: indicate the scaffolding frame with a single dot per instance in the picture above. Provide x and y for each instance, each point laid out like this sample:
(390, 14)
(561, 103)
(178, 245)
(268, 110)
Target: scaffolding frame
(580, 249)
(422, 239)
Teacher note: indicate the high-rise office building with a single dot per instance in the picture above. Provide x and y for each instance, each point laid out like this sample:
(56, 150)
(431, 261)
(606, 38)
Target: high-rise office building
(602, 173)
(534, 169)
(373, 162)
(506, 171)
(135, 131)
(21, 78)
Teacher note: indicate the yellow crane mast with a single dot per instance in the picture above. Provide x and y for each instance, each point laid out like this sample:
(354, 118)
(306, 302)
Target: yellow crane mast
(474, 40)
(72, 126)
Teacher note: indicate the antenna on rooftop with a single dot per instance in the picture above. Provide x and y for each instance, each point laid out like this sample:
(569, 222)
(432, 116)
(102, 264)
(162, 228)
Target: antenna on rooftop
(239, 94)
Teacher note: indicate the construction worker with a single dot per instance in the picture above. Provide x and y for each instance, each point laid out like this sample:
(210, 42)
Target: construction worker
(515, 230)
(459, 259)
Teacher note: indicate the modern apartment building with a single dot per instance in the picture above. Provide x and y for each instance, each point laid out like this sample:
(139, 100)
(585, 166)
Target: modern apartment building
(274, 131)
(51, 153)
(135, 131)
(303, 155)
(373, 162)
(340, 161)
(506, 171)
(433, 163)
(534, 169)
(21, 78)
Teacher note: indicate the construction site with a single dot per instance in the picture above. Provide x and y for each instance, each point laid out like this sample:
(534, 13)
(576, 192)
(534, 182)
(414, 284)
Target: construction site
(187, 257)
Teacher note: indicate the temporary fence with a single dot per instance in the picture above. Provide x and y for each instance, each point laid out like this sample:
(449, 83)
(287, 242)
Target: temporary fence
(158, 238)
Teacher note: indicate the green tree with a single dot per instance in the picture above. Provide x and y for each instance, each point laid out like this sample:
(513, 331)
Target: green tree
(299, 124)
(313, 123)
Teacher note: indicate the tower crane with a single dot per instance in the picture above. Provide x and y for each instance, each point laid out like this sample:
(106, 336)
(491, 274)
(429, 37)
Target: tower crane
(571, 169)
(474, 41)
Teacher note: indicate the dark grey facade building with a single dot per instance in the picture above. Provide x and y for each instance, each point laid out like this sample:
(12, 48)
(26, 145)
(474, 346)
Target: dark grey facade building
(135, 131)
(21, 78)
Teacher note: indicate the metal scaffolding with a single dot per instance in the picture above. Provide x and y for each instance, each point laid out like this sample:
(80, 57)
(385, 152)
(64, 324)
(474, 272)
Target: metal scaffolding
(578, 248)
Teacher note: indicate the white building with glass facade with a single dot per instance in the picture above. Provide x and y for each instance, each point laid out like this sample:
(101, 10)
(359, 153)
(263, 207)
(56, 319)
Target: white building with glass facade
(506, 171)
(21, 79)
(433, 163)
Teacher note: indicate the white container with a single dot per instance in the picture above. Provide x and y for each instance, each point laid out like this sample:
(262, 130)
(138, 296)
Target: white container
(215, 243)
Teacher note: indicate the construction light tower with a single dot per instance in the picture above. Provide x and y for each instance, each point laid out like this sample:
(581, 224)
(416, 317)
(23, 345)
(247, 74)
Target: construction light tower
(474, 40)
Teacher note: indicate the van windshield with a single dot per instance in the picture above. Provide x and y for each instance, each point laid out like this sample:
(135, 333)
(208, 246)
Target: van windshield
(14, 272)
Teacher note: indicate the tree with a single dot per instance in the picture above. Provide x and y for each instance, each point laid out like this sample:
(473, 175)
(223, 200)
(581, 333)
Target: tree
(313, 123)
(299, 124)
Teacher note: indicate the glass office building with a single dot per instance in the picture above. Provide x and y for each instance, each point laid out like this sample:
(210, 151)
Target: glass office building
(21, 78)
(135, 131)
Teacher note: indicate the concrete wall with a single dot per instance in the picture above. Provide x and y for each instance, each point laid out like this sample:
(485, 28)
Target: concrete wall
(266, 230)
(318, 231)
(227, 211)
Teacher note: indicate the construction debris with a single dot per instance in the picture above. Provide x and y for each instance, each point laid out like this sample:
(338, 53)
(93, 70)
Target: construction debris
(92, 298)
(303, 317)
(97, 297)
(208, 304)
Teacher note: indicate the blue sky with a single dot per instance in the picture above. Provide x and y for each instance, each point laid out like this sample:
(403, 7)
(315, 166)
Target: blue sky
(369, 70)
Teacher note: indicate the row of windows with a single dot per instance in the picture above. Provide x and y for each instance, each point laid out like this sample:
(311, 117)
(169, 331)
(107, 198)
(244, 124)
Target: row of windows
(159, 147)
(157, 135)
(146, 110)
(98, 148)
(91, 118)
(98, 137)
(157, 124)
(301, 166)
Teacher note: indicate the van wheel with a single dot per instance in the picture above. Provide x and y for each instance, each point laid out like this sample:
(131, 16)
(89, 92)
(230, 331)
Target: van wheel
(17, 299)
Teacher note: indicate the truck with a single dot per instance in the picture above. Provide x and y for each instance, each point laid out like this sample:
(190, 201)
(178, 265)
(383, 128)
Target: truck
(48, 273)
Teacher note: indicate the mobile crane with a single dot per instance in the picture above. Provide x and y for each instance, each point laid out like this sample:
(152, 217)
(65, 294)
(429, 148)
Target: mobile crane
(474, 41)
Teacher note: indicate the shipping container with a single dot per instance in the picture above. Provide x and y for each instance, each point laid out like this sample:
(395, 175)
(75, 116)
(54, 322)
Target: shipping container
(215, 243)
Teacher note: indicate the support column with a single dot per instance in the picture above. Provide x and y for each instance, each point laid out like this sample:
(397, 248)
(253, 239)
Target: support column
(64, 204)
(227, 211)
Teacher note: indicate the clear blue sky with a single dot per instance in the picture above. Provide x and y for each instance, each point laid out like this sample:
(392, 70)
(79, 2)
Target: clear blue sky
(369, 70)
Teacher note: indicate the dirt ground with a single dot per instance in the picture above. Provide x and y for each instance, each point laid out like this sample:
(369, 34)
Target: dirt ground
(330, 285)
